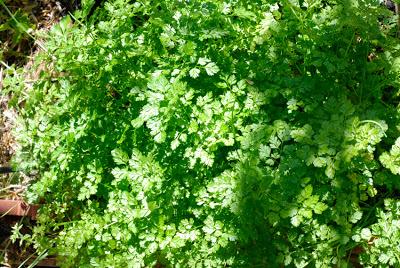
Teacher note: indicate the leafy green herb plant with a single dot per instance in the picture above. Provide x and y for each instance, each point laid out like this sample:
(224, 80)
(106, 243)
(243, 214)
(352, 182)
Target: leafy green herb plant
(215, 134)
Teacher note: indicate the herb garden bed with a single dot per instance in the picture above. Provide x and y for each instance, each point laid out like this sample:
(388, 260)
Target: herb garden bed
(214, 134)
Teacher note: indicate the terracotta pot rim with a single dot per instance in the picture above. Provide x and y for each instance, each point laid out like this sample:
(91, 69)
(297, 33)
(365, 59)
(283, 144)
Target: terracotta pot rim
(17, 208)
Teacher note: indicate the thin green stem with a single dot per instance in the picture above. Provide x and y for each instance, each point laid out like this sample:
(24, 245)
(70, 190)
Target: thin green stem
(376, 123)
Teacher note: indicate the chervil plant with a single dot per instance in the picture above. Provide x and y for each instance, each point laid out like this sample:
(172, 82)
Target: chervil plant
(214, 134)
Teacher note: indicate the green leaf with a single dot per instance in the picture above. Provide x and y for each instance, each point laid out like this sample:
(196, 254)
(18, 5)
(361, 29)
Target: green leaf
(211, 68)
(319, 162)
(194, 73)
(320, 207)
(366, 234)
(241, 12)
(356, 216)
(119, 156)
(296, 220)
(159, 84)
(203, 61)
(307, 191)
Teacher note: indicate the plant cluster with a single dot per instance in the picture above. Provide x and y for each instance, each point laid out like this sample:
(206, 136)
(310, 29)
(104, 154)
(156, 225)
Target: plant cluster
(216, 134)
